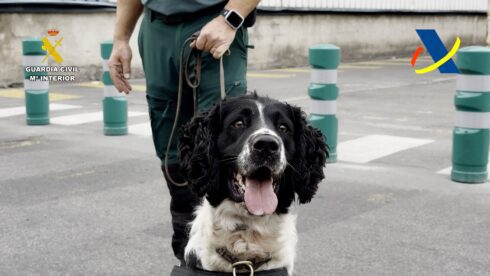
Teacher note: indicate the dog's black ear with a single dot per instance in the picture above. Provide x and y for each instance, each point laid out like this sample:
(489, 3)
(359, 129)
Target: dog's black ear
(197, 150)
(310, 157)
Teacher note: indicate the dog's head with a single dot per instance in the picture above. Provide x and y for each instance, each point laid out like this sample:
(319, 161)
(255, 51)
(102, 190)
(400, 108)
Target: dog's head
(254, 150)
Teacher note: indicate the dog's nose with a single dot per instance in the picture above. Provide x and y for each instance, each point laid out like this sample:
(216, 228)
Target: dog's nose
(266, 144)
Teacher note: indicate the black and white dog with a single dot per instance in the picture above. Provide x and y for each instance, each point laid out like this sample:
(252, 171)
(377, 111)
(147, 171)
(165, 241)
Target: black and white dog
(250, 157)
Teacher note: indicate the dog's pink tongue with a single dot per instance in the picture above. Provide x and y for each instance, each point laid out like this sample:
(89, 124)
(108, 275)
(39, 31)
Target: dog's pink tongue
(260, 198)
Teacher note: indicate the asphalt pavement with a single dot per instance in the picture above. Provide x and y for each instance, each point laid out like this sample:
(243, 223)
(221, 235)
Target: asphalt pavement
(76, 202)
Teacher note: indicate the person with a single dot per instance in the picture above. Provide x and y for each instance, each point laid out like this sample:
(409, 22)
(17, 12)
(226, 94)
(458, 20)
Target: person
(164, 28)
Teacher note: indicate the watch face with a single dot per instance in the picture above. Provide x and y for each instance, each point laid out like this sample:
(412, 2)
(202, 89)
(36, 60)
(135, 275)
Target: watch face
(234, 19)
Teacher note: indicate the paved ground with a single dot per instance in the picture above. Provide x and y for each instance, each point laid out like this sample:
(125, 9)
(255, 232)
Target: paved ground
(73, 201)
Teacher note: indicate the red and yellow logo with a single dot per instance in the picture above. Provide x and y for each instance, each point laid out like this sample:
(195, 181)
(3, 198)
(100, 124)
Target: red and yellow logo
(50, 48)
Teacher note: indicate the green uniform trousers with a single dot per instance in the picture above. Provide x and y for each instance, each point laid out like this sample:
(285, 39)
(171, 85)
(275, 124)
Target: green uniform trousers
(160, 46)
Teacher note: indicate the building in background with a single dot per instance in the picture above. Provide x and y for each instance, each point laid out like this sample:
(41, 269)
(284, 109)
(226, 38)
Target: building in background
(285, 29)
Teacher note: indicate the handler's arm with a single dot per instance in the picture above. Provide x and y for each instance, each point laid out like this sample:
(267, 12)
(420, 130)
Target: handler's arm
(127, 14)
(217, 36)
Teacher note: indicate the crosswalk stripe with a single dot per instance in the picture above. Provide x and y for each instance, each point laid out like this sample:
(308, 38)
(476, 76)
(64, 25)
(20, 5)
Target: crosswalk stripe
(83, 118)
(20, 110)
(143, 129)
(372, 147)
(445, 170)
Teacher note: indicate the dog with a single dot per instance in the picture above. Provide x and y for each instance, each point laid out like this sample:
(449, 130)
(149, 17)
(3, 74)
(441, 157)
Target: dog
(250, 157)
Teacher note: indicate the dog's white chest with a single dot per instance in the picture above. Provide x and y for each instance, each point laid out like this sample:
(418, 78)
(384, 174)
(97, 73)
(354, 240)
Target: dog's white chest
(245, 237)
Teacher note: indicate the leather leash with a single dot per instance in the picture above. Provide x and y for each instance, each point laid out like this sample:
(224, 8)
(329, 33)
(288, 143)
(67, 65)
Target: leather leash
(194, 84)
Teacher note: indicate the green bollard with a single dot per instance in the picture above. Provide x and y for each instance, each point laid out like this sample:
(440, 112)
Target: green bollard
(36, 89)
(471, 127)
(323, 91)
(115, 104)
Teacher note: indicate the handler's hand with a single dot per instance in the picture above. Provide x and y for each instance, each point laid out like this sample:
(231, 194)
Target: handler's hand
(120, 65)
(215, 37)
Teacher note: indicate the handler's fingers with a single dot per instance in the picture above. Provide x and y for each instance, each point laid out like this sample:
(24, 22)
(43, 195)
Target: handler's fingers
(115, 70)
(220, 51)
(126, 67)
(209, 41)
(200, 42)
(127, 84)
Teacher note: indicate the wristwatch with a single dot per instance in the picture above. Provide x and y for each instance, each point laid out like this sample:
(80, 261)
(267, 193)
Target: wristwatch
(233, 18)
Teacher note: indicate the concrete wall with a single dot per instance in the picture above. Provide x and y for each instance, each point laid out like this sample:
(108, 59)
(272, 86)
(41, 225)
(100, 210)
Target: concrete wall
(82, 32)
(377, 5)
(279, 39)
(283, 40)
(488, 20)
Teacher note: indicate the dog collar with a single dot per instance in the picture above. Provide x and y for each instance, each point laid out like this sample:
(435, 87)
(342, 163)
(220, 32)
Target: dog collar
(256, 262)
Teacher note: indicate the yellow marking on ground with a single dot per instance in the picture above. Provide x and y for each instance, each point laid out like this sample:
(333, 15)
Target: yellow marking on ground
(407, 60)
(18, 144)
(269, 76)
(139, 87)
(92, 84)
(352, 66)
(308, 70)
(12, 93)
(19, 94)
(382, 63)
(98, 84)
(381, 198)
(77, 174)
(61, 97)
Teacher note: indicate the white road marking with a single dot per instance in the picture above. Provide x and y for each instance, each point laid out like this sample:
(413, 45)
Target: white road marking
(351, 166)
(83, 118)
(143, 129)
(372, 147)
(20, 110)
(445, 170)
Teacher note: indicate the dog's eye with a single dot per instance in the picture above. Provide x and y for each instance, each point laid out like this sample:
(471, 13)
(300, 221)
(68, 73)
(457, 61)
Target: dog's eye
(238, 124)
(283, 128)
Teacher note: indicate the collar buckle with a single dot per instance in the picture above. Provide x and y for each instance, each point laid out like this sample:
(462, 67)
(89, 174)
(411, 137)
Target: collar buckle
(246, 264)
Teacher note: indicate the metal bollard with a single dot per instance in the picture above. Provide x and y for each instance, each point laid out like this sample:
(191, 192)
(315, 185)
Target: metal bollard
(323, 91)
(36, 91)
(115, 104)
(471, 127)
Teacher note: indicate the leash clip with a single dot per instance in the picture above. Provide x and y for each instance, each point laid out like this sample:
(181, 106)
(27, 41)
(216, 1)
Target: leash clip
(247, 264)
